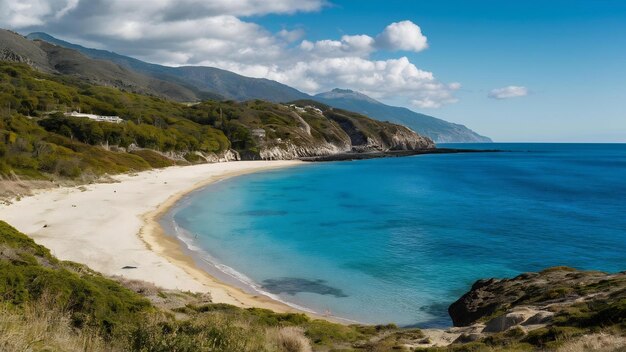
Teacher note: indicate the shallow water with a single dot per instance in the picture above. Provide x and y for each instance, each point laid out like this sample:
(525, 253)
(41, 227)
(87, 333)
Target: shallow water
(399, 239)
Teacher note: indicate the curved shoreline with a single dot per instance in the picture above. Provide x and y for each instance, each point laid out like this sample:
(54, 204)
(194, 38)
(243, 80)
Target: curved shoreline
(171, 247)
(111, 227)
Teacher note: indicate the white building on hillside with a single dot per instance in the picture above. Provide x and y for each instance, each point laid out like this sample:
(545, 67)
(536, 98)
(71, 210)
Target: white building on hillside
(100, 118)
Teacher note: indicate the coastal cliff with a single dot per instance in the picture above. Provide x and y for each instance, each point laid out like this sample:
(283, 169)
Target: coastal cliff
(325, 131)
(269, 131)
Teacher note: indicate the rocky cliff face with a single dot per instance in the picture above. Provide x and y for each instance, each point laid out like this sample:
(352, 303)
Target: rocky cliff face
(289, 151)
(7, 54)
(371, 135)
(297, 131)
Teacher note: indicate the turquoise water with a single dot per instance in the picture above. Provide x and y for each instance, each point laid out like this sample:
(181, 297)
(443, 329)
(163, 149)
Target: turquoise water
(399, 239)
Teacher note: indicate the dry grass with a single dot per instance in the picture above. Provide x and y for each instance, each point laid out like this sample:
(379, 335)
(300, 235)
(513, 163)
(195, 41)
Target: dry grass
(13, 188)
(595, 342)
(141, 287)
(10, 189)
(290, 339)
(40, 327)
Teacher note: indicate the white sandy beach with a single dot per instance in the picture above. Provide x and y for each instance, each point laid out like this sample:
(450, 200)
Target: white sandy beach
(111, 225)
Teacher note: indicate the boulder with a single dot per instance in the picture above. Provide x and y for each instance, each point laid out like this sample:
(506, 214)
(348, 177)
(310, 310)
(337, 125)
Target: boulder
(465, 338)
(504, 322)
(560, 285)
(542, 317)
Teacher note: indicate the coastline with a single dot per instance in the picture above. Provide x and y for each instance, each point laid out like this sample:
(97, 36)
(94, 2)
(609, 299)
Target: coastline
(170, 246)
(110, 226)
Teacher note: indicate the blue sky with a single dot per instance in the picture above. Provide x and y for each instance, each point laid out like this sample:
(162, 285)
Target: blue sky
(571, 55)
(557, 67)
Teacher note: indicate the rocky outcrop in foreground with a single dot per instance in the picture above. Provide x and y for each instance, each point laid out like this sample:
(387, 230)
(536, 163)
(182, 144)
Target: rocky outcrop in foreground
(546, 310)
(496, 301)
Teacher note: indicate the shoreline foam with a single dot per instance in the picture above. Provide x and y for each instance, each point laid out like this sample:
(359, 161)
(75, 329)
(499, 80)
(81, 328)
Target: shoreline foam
(226, 274)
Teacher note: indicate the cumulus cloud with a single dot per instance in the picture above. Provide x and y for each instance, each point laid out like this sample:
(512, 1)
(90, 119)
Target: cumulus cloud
(508, 92)
(404, 35)
(218, 33)
(349, 45)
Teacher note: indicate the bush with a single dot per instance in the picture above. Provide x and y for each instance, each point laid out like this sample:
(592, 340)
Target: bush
(291, 339)
(88, 297)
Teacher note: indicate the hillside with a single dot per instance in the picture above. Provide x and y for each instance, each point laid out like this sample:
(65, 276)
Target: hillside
(55, 59)
(438, 130)
(210, 82)
(37, 141)
(207, 80)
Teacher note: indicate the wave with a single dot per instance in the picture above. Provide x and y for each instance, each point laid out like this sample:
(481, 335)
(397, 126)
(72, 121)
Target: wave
(187, 238)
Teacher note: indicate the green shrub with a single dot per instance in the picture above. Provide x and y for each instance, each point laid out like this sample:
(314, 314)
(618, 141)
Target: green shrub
(154, 159)
(28, 272)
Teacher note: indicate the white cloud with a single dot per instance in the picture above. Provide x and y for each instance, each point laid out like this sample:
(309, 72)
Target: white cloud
(381, 79)
(508, 92)
(349, 45)
(216, 33)
(404, 35)
(24, 13)
(291, 36)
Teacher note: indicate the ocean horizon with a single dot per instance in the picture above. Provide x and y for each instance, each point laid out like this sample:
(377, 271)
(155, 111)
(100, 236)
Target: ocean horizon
(397, 240)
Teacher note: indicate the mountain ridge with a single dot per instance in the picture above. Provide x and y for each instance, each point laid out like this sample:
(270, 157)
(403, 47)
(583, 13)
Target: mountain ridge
(214, 83)
(54, 59)
(228, 85)
(439, 130)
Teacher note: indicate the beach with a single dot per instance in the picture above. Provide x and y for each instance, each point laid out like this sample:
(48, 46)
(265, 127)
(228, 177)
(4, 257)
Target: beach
(113, 227)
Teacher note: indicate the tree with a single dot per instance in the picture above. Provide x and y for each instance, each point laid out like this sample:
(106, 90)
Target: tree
(96, 135)
(66, 131)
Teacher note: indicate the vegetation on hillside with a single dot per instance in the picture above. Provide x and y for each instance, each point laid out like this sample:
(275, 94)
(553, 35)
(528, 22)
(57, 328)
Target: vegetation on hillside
(38, 141)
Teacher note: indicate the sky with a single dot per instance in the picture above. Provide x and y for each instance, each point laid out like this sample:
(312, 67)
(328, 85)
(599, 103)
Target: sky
(516, 70)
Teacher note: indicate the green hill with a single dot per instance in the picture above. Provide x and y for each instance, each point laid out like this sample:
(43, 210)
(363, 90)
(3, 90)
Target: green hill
(51, 58)
(38, 141)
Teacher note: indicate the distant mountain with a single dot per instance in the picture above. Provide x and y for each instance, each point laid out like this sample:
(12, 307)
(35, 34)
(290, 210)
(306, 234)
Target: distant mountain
(226, 84)
(56, 59)
(438, 130)
(214, 83)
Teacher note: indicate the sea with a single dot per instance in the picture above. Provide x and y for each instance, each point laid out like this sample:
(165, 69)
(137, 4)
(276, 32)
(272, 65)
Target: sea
(397, 240)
